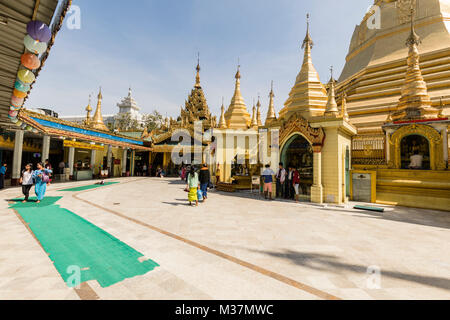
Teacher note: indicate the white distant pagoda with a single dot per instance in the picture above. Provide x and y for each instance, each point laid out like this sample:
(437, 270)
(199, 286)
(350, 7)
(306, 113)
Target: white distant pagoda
(129, 105)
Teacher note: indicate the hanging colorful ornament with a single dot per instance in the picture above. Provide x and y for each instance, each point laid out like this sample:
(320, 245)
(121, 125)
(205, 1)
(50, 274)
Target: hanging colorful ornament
(34, 46)
(13, 113)
(14, 108)
(26, 76)
(19, 85)
(19, 122)
(39, 31)
(16, 101)
(30, 61)
(14, 120)
(19, 94)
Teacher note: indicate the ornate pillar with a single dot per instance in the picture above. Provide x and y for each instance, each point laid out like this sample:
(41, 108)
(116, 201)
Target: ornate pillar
(93, 155)
(45, 148)
(17, 157)
(387, 146)
(124, 162)
(317, 188)
(133, 153)
(71, 159)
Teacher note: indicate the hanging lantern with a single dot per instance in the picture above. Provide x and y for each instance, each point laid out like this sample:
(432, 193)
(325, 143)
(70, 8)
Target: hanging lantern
(34, 46)
(19, 94)
(28, 128)
(35, 130)
(12, 118)
(19, 122)
(30, 61)
(39, 31)
(14, 108)
(26, 76)
(19, 85)
(16, 101)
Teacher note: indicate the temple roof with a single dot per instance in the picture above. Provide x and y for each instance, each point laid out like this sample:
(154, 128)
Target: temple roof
(129, 102)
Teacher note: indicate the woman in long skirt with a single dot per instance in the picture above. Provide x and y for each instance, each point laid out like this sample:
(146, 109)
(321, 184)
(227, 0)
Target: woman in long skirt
(41, 178)
(192, 185)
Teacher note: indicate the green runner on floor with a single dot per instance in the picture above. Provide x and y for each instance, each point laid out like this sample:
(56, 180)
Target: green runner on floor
(73, 241)
(89, 187)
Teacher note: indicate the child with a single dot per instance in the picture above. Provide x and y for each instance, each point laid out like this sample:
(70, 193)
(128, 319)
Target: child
(26, 180)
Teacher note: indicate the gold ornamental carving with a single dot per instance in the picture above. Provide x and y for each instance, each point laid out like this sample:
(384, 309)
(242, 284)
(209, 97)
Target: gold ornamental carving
(297, 124)
(404, 10)
(434, 138)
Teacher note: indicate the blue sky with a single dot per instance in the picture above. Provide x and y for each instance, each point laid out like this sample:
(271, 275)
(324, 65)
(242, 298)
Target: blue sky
(152, 45)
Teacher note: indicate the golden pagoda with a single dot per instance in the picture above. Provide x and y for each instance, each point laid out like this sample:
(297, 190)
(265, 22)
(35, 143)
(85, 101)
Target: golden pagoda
(258, 112)
(415, 103)
(222, 122)
(308, 95)
(331, 108)
(97, 120)
(237, 116)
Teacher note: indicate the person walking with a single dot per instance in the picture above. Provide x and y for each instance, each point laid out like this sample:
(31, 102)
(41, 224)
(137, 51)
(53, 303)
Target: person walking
(281, 178)
(268, 179)
(26, 180)
(183, 173)
(205, 180)
(296, 183)
(192, 186)
(41, 178)
(144, 170)
(289, 183)
(61, 166)
(3, 170)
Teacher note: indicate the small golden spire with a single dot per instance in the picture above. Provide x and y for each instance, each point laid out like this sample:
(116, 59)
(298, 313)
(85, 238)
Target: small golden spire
(271, 115)
(237, 116)
(308, 42)
(258, 112)
(222, 122)
(254, 122)
(97, 120)
(88, 112)
(331, 108)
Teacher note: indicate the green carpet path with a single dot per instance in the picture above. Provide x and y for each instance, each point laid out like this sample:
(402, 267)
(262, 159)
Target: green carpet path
(73, 241)
(89, 187)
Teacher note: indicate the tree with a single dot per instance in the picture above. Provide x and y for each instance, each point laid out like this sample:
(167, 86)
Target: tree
(125, 122)
(153, 121)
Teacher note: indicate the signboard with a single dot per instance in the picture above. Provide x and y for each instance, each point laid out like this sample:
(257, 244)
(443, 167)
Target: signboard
(81, 145)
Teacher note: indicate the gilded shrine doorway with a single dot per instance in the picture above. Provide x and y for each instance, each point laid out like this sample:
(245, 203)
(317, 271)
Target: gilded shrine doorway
(415, 152)
(298, 153)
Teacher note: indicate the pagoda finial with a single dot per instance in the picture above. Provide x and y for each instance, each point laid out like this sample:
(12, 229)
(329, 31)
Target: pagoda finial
(97, 120)
(271, 115)
(197, 78)
(88, 112)
(413, 38)
(307, 43)
(222, 122)
(344, 106)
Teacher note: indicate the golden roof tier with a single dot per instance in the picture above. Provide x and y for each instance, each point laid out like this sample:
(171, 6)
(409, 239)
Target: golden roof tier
(376, 63)
(237, 116)
(97, 120)
(308, 96)
(196, 107)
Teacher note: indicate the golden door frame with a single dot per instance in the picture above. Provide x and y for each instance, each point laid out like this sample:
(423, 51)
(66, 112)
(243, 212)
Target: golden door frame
(433, 136)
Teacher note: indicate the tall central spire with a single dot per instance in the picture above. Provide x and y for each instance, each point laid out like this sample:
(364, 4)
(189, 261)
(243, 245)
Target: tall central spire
(197, 78)
(271, 115)
(308, 95)
(237, 116)
(415, 103)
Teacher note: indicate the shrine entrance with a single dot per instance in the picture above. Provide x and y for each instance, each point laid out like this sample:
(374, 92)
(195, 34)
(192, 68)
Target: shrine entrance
(415, 153)
(298, 153)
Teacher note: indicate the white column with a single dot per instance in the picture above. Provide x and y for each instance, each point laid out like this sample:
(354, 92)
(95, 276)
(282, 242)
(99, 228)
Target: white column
(45, 148)
(109, 161)
(124, 161)
(133, 154)
(71, 159)
(93, 154)
(17, 155)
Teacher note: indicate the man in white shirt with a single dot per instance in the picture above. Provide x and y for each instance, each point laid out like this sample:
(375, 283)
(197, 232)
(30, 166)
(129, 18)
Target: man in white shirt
(416, 161)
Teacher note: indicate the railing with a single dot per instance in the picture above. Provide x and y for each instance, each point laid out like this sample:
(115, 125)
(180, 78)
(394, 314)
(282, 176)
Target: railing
(369, 150)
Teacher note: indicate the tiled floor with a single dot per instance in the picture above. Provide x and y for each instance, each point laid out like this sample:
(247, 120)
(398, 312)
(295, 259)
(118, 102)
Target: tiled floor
(310, 250)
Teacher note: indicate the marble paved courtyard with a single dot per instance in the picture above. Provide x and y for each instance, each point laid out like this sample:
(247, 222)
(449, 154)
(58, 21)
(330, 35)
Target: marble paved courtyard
(236, 246)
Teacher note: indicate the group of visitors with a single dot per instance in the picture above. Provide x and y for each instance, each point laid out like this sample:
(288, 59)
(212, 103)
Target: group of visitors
(287, 182)
(197, 183)
(40, 178)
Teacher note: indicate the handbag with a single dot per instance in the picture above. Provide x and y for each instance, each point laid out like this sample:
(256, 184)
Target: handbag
(199, 195)
(45, 178)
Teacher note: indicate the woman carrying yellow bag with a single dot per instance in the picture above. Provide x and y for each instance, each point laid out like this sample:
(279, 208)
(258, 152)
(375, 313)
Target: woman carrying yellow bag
(192, 186)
